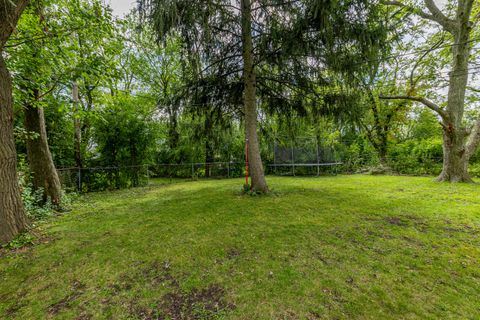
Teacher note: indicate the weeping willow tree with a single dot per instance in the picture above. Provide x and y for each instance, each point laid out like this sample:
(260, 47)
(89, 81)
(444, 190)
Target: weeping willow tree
(279, 51)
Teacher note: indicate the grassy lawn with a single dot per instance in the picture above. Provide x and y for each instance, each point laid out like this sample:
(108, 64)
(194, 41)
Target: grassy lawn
(345, 247)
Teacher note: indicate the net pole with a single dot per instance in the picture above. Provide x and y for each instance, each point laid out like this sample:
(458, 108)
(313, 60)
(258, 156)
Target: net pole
(318, 159)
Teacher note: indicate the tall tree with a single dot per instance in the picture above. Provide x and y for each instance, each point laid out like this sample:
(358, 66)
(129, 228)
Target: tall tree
(218, 20)
(12, 215)
(36, 76)
(250, 100)
(459, 142)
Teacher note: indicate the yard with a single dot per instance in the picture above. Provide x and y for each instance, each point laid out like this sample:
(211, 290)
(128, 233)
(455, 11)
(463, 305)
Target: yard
(344, 247)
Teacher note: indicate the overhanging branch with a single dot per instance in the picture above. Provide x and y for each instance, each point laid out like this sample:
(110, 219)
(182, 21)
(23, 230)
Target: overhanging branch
(429, 104)
(434, 15)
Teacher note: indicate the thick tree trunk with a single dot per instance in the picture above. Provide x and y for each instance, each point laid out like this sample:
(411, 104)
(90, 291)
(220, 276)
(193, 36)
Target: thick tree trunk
(39, 157)
(455, 159)
(12, 214)
(258, 182)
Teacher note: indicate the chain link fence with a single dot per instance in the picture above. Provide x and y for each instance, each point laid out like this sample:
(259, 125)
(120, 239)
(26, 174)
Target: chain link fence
(325, 162)
(110, 178)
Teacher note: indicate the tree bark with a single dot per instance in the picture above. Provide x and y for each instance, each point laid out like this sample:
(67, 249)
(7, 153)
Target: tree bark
(173, 135)
(455, 159)
(45, 175)
(209, 151)
(77, 128)
(134, 162)
(12, 214)
(258, 182)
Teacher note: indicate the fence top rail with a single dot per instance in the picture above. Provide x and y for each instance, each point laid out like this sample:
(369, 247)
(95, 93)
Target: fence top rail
(100, 168)
(195, 163)
(304, 164)
(150, 165)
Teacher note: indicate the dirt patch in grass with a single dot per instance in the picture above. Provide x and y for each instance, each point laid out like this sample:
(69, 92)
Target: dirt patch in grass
(207, 302)
(451, 227)
(233, 253)
(65, 303)
(398, 221)
(408, 220)
(204, 303)
(84, 316)
(12, 310)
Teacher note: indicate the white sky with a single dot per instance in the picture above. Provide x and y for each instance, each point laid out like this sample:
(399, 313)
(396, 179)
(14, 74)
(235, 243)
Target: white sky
(121, 7)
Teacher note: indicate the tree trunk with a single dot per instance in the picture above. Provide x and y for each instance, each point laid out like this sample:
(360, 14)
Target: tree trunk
(12, 214)
(455, 160)
(173, 135)
(77, 128)
(258, 182)
(209, 151)
(134, 162)
(209, 157)
(39, 157)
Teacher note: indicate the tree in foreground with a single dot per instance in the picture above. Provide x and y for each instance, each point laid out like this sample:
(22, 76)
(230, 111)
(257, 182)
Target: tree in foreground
(459, 142)
(12, 214)
(37, 74)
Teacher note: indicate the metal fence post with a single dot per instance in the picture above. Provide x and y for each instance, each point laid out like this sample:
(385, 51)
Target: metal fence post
(318, 159)
(193, 172)
(293, 162)
(80, 180)
(274, 155)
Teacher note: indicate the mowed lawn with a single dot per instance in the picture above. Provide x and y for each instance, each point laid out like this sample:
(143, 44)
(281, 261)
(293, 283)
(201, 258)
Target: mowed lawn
(344, 247)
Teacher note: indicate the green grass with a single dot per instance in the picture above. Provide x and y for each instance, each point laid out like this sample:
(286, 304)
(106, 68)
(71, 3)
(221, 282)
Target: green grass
(345, 247)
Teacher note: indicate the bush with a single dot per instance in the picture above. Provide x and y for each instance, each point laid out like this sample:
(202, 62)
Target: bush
(417, 157)
(474, 169)
(35, 208)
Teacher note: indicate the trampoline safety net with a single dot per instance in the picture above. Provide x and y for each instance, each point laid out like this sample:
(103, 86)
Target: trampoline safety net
(303, 157)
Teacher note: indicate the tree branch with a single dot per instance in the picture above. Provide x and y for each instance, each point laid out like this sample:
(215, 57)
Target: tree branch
(434, 15)
(429, 104)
